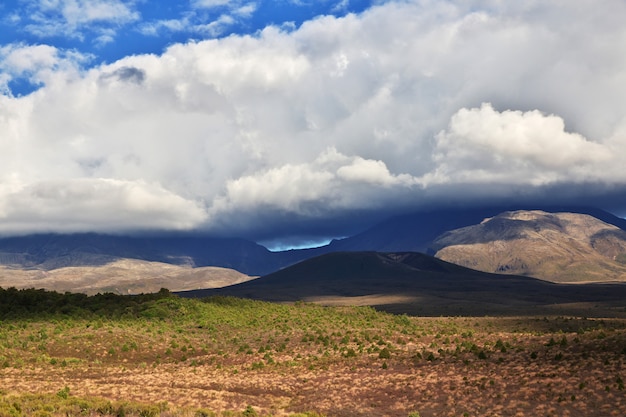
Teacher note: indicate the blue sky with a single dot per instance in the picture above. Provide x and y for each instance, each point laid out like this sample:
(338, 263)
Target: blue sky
(298, 121)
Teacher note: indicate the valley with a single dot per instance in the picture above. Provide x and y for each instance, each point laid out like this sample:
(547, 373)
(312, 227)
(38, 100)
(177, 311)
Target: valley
(181, 326)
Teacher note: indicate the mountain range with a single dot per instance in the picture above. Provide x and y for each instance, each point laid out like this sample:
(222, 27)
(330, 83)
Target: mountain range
(468, 237)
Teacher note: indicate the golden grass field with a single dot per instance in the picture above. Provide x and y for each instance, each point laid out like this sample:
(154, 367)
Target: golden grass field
(229, 357)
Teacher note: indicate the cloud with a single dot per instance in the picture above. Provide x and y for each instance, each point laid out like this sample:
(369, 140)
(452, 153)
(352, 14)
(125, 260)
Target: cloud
(103, 205)
(483, 145)
(330, 180)
(373, 112)
(198, 23)
(212, 3)
(129, 74)
(72, 18)
(40, 64)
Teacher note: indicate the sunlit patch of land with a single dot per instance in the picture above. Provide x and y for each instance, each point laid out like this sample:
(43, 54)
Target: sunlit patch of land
(160, 355)
(121, 276)
(365, 300)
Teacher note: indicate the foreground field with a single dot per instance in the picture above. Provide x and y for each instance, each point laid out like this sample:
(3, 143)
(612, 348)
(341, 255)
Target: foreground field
(162, 355)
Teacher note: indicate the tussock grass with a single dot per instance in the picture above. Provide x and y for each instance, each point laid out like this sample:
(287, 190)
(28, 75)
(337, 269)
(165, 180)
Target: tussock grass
(161, 355)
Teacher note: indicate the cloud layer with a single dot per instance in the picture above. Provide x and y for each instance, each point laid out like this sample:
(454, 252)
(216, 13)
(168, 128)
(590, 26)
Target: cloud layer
(406, 105)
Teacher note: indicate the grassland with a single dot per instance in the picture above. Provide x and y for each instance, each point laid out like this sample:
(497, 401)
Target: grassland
(160, 355)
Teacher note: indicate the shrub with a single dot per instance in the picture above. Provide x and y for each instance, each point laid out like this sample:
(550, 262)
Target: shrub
(249, 412)
(64, 393)
(384, 354)
(350, 353)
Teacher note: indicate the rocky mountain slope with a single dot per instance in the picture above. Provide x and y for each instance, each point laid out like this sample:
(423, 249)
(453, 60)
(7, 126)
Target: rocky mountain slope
(558, 247)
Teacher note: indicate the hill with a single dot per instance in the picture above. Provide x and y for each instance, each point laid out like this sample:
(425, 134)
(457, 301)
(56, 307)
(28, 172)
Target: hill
(122, 276)
(559, 247)
(415, 283)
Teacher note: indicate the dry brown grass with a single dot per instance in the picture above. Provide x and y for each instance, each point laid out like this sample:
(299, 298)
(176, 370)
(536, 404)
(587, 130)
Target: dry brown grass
(436, 366)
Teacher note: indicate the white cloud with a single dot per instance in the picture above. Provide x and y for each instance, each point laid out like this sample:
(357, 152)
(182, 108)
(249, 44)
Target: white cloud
(41, 64)
(73, 17)
(153, 28)
(331, 182)
(484, 145)
(212, 3)
(93, 204)
(246, 10)
(202, 24)
(237, 125)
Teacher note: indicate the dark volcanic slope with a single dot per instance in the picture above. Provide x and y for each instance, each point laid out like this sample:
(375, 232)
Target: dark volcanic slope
(419, 284)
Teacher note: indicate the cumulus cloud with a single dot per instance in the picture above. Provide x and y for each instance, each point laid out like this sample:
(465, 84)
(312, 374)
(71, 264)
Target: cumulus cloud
(332, 180)
(484, 145)
(374, 111)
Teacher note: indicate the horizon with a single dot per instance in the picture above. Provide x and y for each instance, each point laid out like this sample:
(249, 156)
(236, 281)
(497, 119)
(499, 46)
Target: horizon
(295, 123)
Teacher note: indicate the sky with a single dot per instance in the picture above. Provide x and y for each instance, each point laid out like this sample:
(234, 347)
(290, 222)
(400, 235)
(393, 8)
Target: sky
(296, 121)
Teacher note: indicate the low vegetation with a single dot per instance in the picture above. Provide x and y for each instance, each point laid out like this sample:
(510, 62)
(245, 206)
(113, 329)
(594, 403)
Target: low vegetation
(161, 355)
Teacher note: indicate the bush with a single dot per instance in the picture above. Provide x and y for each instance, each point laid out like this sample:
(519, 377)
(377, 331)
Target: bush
(384, 354)
(64, 393)
(249, 412)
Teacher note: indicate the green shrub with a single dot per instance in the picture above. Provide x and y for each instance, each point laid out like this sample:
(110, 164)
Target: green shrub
(384, 354)
(249, 412)
(64, 393)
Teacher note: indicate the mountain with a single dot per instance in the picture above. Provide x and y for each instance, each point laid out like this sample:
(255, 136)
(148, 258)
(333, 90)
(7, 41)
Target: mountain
(412, 232)
(559, 247)
(416, 231)
(52, 251)
(416, 283)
